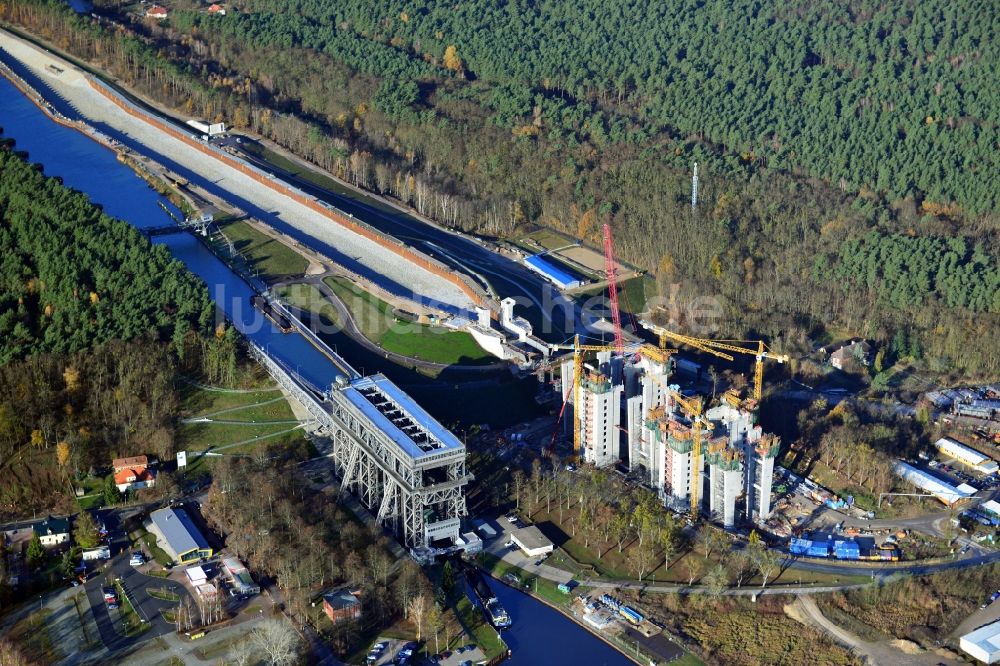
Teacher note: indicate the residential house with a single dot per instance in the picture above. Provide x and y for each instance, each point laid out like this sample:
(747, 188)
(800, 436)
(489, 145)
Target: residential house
(217, 10)
(859, 350)
(341, 605)
(52, 531)
(157, 12)
(133, 473)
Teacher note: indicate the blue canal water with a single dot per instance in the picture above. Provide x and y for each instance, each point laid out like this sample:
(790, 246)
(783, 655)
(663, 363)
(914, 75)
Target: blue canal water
(540, 635)
(89, 167)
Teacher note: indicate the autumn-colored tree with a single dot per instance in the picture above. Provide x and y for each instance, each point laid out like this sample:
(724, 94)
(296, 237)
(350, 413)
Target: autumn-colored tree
(72, 378)
(451, 59)
(62, 453)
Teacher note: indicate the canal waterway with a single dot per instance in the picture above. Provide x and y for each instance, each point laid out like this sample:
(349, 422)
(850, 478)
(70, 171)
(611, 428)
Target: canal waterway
(540, 635)
(90, 168)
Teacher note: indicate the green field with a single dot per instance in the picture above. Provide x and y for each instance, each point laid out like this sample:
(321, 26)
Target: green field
(271, 258)
(242, 423)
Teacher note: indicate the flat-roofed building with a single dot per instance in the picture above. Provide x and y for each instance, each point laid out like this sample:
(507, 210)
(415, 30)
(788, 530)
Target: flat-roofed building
(178, 536)
(983, 643)
(531, 541)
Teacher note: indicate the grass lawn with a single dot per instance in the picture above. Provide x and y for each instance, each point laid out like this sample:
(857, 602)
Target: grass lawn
(434, 344)
(376, 322)
(549, 239)
(91, 502)
(632, 294)
(263, 415)
(163, 593)
(271, 258)
(372, 315)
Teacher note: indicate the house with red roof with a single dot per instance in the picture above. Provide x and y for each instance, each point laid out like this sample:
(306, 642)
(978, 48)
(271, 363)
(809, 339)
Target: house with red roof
(217, 9)
(133, 473)
(157, 12)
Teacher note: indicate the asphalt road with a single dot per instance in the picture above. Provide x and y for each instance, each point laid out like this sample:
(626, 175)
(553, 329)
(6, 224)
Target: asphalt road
(552, 315)
(136, 584)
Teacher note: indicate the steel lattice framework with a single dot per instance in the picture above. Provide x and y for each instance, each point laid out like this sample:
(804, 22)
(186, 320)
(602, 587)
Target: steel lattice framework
(402, 491)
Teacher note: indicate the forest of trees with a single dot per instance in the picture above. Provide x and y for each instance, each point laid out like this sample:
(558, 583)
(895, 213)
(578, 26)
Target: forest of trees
(96, 324)
(495, 117)
(72, 277)
(308, 544)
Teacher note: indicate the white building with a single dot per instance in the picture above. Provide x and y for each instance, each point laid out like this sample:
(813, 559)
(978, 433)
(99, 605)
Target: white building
(966, 455)
(983, 643)
(531, 541)
(600, 416)
(945, 492)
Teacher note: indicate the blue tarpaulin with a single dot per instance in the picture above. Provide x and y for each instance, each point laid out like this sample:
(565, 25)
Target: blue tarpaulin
(560, 277)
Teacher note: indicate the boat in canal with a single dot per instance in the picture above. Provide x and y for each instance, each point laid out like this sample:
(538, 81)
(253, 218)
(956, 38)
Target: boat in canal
(492, 609)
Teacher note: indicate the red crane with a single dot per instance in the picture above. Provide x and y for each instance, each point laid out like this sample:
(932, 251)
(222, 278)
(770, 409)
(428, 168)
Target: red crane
(609, 267)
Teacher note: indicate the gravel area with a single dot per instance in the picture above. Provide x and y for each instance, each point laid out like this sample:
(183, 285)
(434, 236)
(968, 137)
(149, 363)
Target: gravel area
(355, 252)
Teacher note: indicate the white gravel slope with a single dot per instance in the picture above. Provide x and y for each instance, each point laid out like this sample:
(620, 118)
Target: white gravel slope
(387, 269)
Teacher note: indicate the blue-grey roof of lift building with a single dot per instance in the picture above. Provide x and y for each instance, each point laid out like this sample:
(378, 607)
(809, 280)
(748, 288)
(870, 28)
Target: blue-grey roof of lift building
(397, 415)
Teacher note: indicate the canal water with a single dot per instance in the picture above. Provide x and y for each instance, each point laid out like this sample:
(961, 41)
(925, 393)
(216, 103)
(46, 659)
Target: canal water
(540, 635)
(89, 167)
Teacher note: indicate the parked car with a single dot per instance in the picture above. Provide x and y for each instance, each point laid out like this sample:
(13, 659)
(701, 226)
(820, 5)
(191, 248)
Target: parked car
(137, 559)
(110, 594)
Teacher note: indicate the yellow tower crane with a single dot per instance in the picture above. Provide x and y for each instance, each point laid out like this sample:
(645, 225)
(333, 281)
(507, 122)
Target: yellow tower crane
(719, 348)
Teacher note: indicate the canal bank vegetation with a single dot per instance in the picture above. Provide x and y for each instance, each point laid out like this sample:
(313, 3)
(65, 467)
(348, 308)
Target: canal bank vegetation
(97, 329)
(378, 322)
(734, 631)
(785, 221)
(272, 259)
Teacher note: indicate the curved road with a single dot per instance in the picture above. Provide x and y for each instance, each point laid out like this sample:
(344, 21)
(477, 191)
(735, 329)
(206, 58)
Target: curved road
(352, 330)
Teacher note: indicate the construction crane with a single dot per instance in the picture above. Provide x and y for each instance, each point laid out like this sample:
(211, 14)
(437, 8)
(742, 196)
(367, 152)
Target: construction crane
(719, 348)
(609, 267)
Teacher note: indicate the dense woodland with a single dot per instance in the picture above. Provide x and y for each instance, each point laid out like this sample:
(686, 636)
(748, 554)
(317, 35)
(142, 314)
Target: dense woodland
(96, 324)
(817, 125)
(72, 277)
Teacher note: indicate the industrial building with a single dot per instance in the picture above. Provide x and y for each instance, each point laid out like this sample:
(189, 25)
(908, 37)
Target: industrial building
(531, 541)
(980, 462)
(551, 272)
(178, 536)
(983, 643)
(402, 463)
(945, 492)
